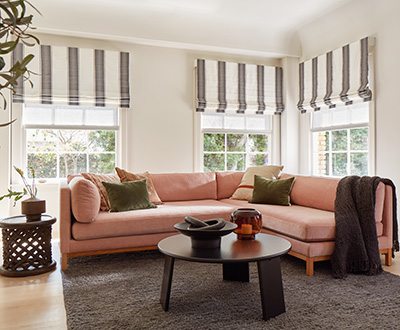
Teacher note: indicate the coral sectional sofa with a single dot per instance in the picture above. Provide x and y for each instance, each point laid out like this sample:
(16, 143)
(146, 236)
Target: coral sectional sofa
(309, 223)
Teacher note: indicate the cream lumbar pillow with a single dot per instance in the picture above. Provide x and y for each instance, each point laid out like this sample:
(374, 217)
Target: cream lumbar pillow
(245, 189)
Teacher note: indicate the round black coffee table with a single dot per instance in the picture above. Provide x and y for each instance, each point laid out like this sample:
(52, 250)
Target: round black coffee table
(235, 256)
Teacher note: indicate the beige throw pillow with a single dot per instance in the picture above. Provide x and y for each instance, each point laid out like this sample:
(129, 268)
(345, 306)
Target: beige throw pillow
(245, 189)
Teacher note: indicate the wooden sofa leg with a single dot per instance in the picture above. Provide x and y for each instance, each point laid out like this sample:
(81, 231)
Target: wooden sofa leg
(64, 263)
(309, 267)
(388, 258)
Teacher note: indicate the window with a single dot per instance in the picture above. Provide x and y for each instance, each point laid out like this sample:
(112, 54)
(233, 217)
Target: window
(55, 153)
(234, 142)
(341, 141)
(62, 140)
(341, 152)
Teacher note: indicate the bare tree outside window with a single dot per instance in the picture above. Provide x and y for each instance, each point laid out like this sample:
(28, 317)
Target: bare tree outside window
(55, 153)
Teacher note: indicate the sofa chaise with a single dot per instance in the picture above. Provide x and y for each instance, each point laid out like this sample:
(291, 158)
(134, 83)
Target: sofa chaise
(308, 223)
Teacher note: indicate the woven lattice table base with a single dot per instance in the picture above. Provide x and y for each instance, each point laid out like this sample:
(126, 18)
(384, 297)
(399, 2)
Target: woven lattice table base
(27, 251)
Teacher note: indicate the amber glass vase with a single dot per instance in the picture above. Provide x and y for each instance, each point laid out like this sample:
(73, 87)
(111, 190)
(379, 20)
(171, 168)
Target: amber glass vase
(249, 222)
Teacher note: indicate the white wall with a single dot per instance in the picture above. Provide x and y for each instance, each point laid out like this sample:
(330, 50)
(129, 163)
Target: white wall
(290, 143)
(352, 22)
(4, 161)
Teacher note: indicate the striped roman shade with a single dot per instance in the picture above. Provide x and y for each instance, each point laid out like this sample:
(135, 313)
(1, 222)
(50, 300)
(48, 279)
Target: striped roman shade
(339, 77)
(238, 88)
(75, 76)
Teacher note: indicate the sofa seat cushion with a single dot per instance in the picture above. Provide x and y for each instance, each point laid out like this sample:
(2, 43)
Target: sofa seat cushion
(172, 187)
(149, 221)
(303, 223)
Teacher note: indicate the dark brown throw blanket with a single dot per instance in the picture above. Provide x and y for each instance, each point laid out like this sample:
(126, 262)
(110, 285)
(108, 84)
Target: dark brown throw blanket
(356, 242)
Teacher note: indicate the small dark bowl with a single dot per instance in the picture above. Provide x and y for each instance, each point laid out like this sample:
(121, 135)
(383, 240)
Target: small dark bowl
(205, 239)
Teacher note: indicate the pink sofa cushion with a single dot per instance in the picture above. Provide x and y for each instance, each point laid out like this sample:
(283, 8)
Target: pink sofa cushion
(303, 223)
(320, 193)
(227, 182)
(150, 221)
(185, 186)
(316, 192)
(85, 200)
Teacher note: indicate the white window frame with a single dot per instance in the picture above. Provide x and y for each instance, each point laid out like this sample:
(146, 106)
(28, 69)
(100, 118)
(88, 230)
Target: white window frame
(59, 153)
(199, 141)
(18, 154)
(371, 142)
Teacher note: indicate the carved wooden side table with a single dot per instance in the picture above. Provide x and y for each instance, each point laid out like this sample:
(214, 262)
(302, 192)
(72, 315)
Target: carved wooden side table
(27, 246)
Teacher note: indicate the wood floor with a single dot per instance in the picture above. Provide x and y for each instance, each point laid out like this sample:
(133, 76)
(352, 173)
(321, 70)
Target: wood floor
(37, 302)
(33, 302)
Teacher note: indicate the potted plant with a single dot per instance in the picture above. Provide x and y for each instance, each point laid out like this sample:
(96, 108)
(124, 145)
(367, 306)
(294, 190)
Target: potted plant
(32, 207)
(15, 26)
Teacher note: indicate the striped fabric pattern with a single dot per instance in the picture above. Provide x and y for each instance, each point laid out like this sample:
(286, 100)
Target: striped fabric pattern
(339, 77)
(238, 88)
(75, 76)
(97, 180)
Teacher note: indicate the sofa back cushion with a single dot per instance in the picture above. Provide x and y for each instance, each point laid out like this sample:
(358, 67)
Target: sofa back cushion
(185, 186)
(227, 182)
(316, 192)
(320, 193)
(85, 199)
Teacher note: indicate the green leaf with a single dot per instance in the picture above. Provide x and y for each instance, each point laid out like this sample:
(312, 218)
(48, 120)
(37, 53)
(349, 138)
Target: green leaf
(24, 20)
(29, 44)
(23, 7)
(6, 76)
(3, 33)
(27, 59)
(2, 63)
(13, 8)
(4, 103)
(9, 46)
(16, 66)
(6, 124)
(3, 7)
(33, 37)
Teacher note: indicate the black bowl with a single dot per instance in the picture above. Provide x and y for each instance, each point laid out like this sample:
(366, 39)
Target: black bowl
(205, 239)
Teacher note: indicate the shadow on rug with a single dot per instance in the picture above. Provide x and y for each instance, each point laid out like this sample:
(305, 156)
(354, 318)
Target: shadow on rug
(122, 291)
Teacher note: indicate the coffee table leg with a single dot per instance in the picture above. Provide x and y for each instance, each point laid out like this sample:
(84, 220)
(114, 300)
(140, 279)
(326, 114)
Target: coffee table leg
(167, 282)
(236, 271)
(271, 287)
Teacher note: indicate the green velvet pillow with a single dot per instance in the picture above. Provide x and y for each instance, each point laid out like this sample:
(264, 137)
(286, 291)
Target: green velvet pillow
(272, 191)
(126, 196)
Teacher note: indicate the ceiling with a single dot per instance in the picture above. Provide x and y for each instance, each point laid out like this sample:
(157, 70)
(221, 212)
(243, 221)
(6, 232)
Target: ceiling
(251, 27)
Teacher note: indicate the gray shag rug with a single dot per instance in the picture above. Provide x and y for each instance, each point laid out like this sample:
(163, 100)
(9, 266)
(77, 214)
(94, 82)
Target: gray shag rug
(122, 291)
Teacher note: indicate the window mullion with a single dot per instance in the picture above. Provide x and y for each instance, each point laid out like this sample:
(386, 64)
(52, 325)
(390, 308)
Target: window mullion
(225, 153)
(87, 151)
(348, 152)
(330, 156)
(58, 154)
